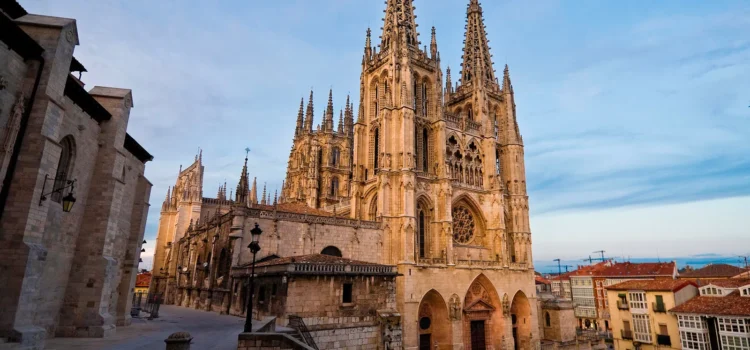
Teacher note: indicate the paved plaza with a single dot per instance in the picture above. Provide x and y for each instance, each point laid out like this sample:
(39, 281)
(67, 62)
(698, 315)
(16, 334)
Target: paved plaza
(210, 331)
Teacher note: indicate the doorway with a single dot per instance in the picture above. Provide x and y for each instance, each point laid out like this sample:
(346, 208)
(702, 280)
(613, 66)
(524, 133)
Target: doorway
(425, 340)
(477, 336)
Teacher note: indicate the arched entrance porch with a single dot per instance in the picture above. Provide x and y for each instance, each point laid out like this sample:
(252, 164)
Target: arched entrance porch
(433, 324)
(482, 316)
(520, 314)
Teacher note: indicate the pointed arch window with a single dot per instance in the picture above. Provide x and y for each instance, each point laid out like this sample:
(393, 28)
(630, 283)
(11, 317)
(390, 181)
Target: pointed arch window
(64, 166)
(414, 96)
(376, 150)
(335, 187)
(421, 227)
(470, 113)
(335, 156)
(377, 99)
(425, 151)
(424, 99)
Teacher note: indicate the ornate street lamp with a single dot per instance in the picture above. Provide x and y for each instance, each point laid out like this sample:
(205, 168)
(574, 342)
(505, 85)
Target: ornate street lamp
(254, 248)
(67, 201)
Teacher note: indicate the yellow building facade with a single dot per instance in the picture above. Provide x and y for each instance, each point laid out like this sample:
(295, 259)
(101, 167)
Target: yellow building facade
(639, 313)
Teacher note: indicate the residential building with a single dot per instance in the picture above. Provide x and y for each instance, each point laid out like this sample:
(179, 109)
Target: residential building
(621, 272)
(142, 282)
(717, 319)
(433, 183)
(638, 311)
(73, 198)
(560, 286)
(715, 271)
(584, 299)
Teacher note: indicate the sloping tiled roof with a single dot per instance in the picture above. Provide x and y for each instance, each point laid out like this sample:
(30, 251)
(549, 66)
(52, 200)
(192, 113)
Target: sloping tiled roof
(638, 269)
(730, 305)
(143, 279)
(714, 270)
(591, 270)
(667, 285)
(727, 283)
(541, 280)
(313, 259)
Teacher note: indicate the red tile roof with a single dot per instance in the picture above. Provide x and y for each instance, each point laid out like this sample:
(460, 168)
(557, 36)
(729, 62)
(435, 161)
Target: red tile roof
(313, 259)
(629, 269)
(666, 285)
(727, 283)
(731, 305)
(591, 270)
(714, 271)
(142, 280)
(541, 280)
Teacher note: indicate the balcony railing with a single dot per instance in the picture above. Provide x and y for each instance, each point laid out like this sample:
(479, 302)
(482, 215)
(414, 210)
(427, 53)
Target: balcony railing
(626, 334)
(622, 305)
(664, 340)
(659, 307)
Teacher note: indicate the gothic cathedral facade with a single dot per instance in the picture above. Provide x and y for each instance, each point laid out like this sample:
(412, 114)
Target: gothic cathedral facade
(434, 173)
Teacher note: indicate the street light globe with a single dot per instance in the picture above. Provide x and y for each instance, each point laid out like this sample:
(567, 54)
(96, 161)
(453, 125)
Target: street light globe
(255, 232)
(68, 202)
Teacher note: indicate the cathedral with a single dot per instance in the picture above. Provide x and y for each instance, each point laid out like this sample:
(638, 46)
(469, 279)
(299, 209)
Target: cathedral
(428, 179)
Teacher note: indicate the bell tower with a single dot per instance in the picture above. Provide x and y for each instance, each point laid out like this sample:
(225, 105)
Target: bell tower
(400, 99)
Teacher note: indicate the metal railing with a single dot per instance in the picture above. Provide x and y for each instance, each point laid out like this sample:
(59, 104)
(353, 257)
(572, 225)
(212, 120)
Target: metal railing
(297, 323)
(622, 305)
(659, 307)
(663, 340)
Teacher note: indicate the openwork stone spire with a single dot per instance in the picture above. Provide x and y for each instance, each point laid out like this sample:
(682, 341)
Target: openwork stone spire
(309, 113)
(477, 60)
(242, 186)
(399, 25)
(300, 118)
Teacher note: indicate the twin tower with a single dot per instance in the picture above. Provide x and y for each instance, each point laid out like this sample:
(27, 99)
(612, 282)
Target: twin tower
(442, 166)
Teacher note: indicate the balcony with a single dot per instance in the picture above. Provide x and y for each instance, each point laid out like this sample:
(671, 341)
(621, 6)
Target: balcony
(626, 334)
(659, 307)
(622, 305)
(664, 340)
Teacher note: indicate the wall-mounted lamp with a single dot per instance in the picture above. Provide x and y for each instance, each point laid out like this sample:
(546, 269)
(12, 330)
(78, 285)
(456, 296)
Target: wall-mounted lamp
(67, 201)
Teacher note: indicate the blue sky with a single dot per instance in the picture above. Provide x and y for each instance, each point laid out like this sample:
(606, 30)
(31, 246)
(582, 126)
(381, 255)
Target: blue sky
(634, 114)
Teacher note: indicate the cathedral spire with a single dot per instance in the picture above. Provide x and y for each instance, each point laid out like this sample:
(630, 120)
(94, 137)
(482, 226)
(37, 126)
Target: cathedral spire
(309, 114)
(477, 60)
(399, 26)
(433, 45)
(448, 83)
(263, 198)
(349, 117)
(168, 200)
(242, 186)
(340, 128)
(300, 118)
(368, 46)
(512, 132)
(328, 118)
(254, 192)
(276, 197)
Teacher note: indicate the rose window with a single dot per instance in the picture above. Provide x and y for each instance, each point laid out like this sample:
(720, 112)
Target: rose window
(463, 225)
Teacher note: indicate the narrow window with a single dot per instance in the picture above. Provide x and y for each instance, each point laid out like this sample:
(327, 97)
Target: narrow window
(64, 167)
(273, 290)
(663, 329)
(377, 100)
(414, 100)
(421, 235)
(424, 99)
(261, 294)
(376, 151)
(335, 187)
(335, 156)
(470, 114)
(547, 320)
(347, 295)
(425, 158)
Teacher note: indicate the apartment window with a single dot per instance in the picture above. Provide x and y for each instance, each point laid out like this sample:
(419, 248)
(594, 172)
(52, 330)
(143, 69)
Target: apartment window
(347, 295)
(729, 342)
(261, 294)
(637, 300)
(694, 340)
(642, 328)
(663, 329)
(693, 322)
(659, 305)
(732, 325)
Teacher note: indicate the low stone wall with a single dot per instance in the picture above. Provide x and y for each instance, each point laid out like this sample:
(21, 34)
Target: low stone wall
(269, 341)
(366, 337)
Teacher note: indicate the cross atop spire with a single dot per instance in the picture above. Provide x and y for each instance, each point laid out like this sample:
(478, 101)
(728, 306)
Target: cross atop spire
(477, 60)
(399, 24)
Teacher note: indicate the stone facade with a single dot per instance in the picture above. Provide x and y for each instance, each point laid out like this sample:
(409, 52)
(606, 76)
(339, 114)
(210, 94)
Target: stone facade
(64, 273)
(434, 184)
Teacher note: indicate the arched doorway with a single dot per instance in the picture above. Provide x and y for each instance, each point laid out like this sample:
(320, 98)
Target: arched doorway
(482, 316)
(520, 314)
(433, 324)
(331, 251)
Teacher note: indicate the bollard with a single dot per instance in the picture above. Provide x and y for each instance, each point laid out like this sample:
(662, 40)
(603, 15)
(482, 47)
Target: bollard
(178, 341)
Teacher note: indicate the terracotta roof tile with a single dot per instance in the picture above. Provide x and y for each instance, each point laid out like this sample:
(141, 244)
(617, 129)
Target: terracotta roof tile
(730, 305)
(714, 270)
(638, 269)
(313, 259)
(668, 285)
(143, 279)
(541, 280)
(727, 283)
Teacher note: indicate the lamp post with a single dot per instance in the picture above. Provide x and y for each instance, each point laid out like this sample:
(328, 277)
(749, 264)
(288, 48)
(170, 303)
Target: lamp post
(254, 248)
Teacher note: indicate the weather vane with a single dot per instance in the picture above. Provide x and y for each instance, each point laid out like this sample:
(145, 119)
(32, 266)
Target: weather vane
(247, 151)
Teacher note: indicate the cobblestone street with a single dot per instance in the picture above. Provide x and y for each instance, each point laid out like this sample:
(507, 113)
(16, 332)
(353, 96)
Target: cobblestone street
(210, 331)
